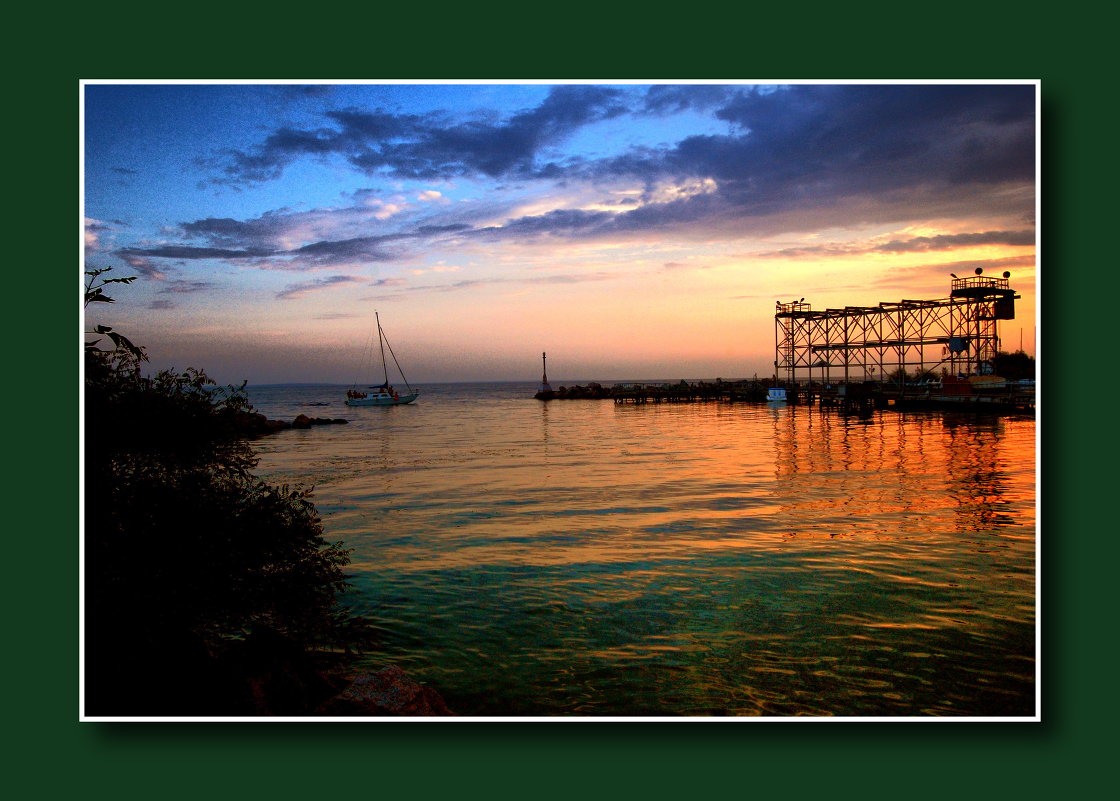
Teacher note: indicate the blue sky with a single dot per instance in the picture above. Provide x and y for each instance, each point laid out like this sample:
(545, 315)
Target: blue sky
(631, 230)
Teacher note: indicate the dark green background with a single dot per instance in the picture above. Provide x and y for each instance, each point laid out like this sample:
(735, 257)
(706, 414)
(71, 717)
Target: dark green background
(47, 746)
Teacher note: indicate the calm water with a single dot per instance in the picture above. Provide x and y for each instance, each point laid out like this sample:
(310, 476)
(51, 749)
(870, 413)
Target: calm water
(582, 558)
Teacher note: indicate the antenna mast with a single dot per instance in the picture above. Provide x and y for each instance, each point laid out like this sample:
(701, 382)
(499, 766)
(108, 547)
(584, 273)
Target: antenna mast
(544, 387)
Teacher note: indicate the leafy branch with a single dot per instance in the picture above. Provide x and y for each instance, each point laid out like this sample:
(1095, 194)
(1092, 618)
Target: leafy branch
(95, 293)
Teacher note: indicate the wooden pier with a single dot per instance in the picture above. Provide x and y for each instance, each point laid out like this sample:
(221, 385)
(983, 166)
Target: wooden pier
(865, 398)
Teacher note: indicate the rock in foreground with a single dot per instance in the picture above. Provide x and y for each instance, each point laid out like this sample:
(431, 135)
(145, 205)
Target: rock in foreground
(386, 693)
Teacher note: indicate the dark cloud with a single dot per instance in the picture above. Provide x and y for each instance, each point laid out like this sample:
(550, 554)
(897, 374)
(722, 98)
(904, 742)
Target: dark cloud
(281, 148)
(428, 146)
(221, 228)
(187, 252)
(805, 147)
(677, 98)
(861, 137)
(831, 155)
(226, 239)
(254, 240)
(433, 230)
(792, 158)
(563, 222)
(797, 144)
(487, 148)
(260, 238)
(347, 251)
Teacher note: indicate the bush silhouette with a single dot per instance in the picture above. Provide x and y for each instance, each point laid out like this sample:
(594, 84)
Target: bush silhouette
(186, 551)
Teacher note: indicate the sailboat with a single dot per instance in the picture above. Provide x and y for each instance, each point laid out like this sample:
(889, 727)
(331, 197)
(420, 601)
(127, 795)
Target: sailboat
(383, 394)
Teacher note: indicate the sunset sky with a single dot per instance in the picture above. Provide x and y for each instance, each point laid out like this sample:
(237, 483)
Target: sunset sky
(631, 230)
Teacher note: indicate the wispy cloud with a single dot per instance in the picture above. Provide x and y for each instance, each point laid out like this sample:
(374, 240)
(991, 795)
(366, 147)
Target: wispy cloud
(917, 244)
(674, 266)
(474, 283)
(302, 289)
(145, 267)
(180, 287)
(952, 241)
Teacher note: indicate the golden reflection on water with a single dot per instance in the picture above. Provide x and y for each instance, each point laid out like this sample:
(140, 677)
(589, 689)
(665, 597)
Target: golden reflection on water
(845, 476)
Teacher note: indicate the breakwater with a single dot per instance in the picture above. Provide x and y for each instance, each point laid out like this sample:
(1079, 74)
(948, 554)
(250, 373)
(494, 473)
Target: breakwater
(980, 394)
(662, 392)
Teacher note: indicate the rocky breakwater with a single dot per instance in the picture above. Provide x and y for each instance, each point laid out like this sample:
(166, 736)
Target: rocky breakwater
(592, 391)
(252, 425)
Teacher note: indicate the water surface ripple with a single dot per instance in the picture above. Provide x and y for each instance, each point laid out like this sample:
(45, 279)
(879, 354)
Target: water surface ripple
(583, 558)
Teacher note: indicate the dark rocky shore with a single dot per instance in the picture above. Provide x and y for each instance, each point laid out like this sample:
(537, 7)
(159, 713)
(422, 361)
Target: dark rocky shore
(254, 424)
(263, 675)
(592, 391)
(266, 675)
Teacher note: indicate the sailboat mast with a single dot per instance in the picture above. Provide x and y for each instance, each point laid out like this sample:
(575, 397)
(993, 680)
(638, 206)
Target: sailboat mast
(381, 341)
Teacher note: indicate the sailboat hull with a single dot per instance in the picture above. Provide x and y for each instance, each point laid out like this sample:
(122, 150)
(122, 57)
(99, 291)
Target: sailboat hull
(382, 399)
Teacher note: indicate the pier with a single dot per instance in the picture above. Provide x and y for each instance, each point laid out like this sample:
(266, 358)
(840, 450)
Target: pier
(906, 355)
(984, 396)
(954, 337)
(690, 392)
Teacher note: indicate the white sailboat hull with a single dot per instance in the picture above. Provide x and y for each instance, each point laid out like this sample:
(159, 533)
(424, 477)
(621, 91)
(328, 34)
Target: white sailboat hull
(382, 399)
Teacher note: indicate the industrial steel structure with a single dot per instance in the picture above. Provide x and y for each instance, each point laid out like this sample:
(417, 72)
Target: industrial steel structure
(890, 342)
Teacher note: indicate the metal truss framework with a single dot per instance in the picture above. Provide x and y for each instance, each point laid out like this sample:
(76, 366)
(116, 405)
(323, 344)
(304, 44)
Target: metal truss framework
(887, 342)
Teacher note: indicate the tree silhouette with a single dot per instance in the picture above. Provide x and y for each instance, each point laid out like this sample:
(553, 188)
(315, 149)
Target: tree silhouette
(186, 551)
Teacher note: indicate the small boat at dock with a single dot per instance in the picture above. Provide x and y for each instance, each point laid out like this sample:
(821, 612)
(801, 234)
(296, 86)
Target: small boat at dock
(776, 395)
